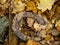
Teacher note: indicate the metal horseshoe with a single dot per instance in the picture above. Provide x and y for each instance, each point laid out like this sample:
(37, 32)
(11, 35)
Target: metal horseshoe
(18, 18)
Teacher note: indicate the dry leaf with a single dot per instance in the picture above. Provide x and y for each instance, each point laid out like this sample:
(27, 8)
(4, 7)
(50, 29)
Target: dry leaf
(48, 37)
(58, 9)
(2, 1)
(31, 6)
(2, 12)
(30, 21)
(4, 4)
(43, 5)
(31, 42)
(43, 33)
(37, 26)
(57, 25)
(18, 6)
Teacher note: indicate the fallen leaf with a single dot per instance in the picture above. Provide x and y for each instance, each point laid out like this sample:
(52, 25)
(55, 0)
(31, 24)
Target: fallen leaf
(30, 6)
(18, 6)
(43, 5)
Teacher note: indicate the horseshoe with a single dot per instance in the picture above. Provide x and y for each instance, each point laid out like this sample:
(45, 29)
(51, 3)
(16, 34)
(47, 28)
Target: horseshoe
(17, 30)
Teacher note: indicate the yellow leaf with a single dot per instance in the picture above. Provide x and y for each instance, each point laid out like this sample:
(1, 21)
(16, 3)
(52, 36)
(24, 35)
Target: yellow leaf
(43, 5)
(31, 6)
